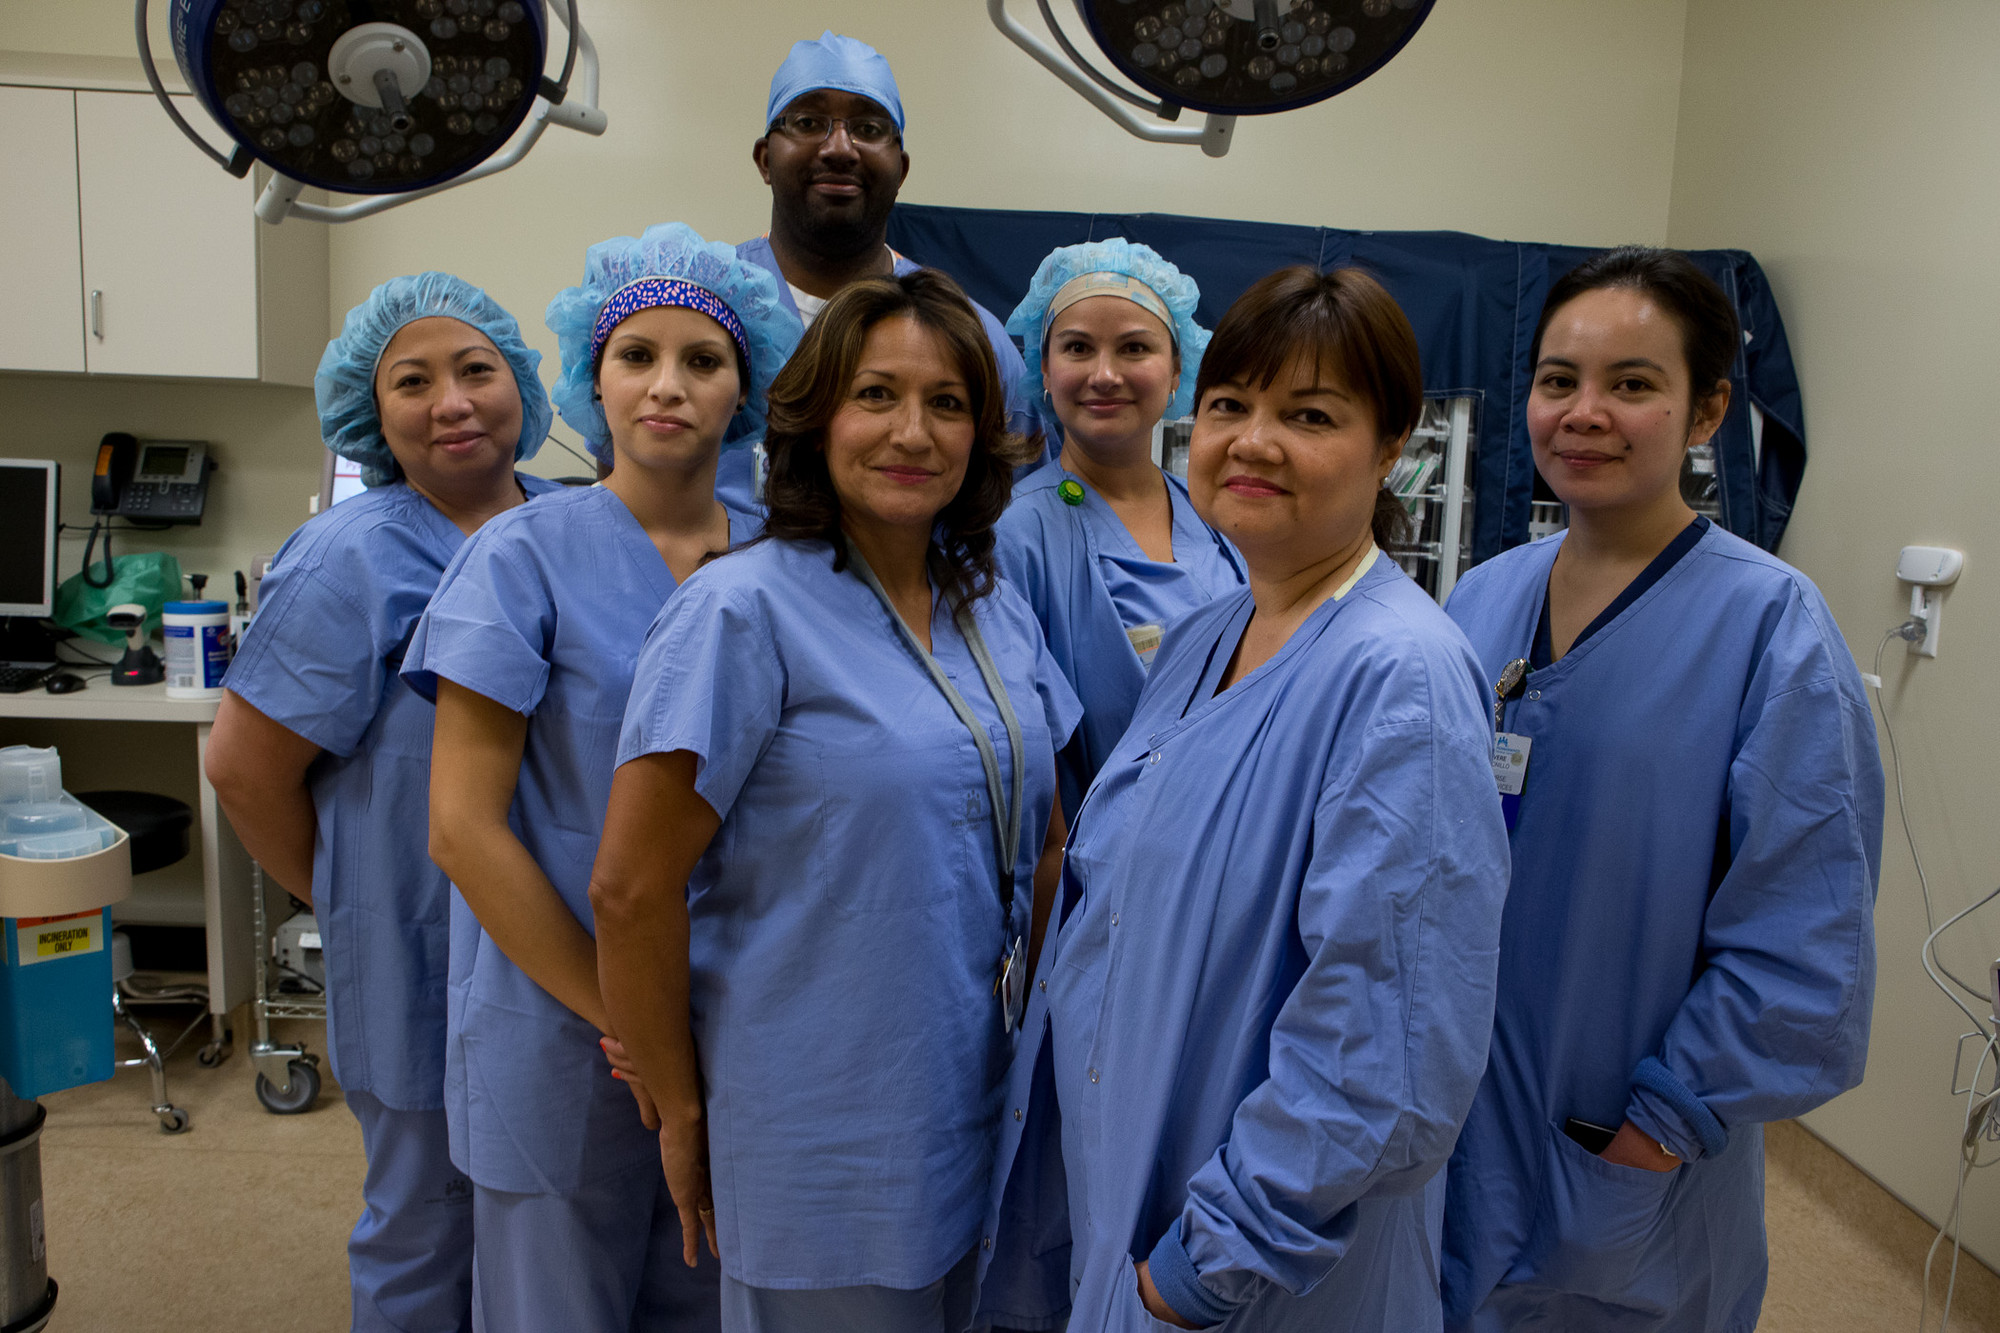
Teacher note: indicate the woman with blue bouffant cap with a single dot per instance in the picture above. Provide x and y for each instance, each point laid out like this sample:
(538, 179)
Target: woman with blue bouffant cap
(321, 755)
(1106, 547)
(668, 344)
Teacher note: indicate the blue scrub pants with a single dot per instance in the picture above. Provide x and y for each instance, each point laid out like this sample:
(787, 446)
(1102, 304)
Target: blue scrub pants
(410, 1257)
(605, 1259)
(945, 1306)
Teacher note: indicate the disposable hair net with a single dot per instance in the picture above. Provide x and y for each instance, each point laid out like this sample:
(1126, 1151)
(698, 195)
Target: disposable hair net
(1030, 320)
(344, 387)
(836, 62)
(672, 250)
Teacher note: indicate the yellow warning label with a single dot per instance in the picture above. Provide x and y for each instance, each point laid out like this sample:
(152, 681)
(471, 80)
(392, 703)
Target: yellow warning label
(41, 939)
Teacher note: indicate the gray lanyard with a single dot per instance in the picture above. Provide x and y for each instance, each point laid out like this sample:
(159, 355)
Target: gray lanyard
(1006, 815)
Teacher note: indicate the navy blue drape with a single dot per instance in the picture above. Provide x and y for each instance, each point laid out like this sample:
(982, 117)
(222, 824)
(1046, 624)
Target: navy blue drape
(1472, 301)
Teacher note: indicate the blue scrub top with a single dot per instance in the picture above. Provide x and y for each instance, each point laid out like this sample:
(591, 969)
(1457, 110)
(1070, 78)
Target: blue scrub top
(1688, 943)
(846, 926)
(544, 611)
(1263, 1017)
(334, 616)
(1088, 583)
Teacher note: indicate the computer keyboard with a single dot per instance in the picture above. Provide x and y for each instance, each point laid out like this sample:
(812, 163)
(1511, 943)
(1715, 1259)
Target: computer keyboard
(17, 679)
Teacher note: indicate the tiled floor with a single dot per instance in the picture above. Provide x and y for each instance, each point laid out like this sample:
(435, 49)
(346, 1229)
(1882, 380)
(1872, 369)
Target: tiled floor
(240, 1223)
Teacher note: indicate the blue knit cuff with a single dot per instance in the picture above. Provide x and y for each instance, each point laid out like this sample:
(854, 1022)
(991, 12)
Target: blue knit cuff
(1654, 1077)
(1179, 1285)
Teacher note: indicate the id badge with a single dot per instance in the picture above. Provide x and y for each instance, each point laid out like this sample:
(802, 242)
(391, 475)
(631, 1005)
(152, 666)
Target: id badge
(1510, 761)
(1145, 642)
(1013, 986)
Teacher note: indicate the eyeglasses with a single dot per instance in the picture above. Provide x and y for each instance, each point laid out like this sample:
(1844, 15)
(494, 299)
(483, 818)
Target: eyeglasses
(807, 127)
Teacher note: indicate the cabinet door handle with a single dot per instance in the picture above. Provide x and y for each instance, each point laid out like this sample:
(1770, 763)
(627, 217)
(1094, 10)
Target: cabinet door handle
(97, 313)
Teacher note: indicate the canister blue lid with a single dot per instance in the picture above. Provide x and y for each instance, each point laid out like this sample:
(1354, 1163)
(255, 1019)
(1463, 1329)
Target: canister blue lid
(196, 608)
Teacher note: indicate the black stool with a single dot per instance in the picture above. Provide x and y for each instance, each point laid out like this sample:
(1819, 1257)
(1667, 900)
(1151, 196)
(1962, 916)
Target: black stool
(157, 827)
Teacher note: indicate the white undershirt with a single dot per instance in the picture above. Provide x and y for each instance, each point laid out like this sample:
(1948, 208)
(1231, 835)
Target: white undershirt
(809, 305)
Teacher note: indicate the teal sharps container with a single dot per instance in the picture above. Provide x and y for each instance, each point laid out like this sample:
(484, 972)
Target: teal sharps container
(55, 1001)
(61, 865)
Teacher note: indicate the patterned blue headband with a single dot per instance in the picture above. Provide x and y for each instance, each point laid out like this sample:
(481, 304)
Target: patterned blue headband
(650, 293)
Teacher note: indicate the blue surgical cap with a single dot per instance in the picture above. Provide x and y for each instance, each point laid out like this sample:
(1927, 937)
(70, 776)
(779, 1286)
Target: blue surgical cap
(344, 387)
(1030, 320)
(840, 63)
(671, 250)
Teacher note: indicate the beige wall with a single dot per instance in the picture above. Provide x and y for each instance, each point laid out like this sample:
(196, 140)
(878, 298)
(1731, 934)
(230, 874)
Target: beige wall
(1434, 141)
(1850, 145)
(1476, 127)
(264, 440)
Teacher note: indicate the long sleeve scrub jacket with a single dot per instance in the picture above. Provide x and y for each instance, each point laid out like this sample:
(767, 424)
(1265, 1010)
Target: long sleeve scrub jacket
(1251, 1043)
(1688, 943)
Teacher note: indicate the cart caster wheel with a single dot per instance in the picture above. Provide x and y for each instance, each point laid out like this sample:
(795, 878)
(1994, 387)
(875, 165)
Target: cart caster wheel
(297, 1095)
(213, 1054)
(173, 1120)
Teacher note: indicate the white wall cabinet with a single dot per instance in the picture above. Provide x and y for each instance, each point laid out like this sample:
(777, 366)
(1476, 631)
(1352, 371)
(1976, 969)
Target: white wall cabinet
(41, 268)
(128, 252)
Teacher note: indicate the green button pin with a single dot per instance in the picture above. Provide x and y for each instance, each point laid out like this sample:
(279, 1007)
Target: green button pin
(1071, 491)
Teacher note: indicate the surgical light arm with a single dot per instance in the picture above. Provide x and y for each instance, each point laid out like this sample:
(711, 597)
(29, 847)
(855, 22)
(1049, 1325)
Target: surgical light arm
(563, 103)
(1213, 134)
(281, 197)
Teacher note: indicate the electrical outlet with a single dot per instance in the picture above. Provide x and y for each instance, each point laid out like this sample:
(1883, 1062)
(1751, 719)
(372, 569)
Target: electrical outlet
(1925, 569)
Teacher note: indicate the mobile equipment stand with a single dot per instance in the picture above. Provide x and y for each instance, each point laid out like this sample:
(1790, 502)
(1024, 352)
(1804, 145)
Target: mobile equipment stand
(287, 1076)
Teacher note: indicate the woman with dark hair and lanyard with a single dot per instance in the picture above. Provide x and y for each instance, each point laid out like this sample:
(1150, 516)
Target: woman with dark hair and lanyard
(1266, 1006)
(1695, 801)
(825, 854)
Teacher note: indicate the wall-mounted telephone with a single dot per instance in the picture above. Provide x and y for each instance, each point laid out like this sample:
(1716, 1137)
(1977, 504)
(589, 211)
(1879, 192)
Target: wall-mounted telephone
(150, 481)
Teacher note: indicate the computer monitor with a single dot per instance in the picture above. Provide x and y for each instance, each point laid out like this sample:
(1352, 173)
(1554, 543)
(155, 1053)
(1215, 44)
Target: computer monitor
(28, 525)
(339, 479)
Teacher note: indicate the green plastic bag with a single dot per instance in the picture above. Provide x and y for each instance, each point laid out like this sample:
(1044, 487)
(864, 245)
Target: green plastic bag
(150, 578)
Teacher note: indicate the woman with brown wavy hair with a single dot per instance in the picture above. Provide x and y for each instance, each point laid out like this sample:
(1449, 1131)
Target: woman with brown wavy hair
(810, 940)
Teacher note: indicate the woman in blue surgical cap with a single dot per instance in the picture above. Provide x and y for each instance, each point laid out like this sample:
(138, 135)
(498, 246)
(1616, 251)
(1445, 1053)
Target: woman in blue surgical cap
(1266, 1004)
(668, 344)
(1695, 803)
(1105, 546)
(321, 755)
(835, 805)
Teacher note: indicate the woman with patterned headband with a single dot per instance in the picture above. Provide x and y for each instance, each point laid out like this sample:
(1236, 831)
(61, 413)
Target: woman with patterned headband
(1104, 545)
(668, 347)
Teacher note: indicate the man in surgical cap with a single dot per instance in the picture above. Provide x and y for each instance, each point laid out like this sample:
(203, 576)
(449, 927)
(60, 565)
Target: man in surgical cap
(832, 153)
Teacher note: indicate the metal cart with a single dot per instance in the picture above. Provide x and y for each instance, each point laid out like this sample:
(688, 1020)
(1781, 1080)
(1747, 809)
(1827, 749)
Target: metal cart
(288, 1077)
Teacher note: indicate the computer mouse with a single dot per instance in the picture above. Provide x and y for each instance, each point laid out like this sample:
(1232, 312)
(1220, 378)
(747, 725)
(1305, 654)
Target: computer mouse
(64, 683)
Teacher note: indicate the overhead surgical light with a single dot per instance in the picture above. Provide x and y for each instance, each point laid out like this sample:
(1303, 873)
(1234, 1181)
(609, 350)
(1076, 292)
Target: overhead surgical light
(1227, 58)
(394, 99)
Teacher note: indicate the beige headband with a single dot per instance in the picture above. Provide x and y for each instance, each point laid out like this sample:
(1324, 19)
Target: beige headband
(1086, 285)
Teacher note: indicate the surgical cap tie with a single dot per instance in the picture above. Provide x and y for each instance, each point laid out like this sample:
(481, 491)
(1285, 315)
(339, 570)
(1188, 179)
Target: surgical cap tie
(652, 293)
(1086, 285)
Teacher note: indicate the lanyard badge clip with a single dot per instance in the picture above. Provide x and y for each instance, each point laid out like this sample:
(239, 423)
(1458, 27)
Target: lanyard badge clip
(1012, 985)
(1510, 752)
(1513, 679)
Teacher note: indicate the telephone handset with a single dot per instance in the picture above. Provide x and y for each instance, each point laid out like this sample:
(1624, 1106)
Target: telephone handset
(150, 481)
